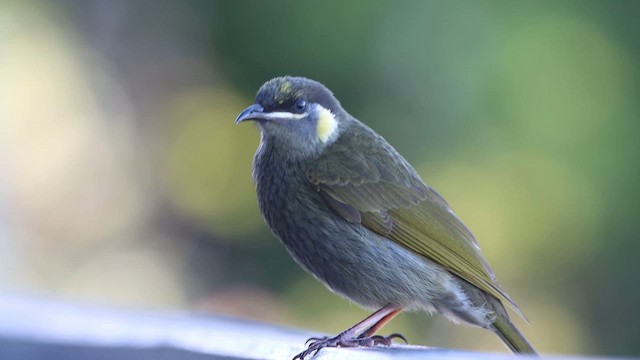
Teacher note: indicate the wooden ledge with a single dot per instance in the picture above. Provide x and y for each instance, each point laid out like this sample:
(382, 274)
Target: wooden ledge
(40, 328)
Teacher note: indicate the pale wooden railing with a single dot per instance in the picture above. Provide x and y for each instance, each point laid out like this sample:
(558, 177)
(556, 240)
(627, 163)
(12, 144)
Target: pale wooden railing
(39, 328)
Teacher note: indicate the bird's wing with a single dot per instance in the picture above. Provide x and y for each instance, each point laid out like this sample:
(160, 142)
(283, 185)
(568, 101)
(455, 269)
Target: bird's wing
(384, 193)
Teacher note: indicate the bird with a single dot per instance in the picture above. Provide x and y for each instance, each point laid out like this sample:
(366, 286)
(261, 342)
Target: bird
(356, 215)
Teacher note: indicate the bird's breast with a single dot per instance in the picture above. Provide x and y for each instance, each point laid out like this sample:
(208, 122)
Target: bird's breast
(317, 238)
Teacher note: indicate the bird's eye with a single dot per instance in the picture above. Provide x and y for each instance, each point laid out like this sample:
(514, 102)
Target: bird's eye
(301, 104)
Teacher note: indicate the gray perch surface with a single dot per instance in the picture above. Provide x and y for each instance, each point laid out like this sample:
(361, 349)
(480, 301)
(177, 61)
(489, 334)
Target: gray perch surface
(39, 328)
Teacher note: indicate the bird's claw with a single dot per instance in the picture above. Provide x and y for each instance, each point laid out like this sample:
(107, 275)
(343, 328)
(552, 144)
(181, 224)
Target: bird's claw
(385, 340)
(315, 344)
(313, 340)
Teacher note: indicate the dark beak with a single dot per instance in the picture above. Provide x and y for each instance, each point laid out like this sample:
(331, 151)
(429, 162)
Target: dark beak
(253, 112)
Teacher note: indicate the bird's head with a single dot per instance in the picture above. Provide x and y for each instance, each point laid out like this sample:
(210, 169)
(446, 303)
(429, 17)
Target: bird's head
(299, 113)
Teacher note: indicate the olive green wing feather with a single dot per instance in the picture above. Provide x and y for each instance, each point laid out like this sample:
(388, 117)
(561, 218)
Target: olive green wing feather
(381, 191)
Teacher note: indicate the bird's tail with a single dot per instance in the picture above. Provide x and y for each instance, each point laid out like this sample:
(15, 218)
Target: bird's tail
(511, 336)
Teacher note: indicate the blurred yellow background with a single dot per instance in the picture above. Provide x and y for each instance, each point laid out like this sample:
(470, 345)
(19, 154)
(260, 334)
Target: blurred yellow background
(123, 180)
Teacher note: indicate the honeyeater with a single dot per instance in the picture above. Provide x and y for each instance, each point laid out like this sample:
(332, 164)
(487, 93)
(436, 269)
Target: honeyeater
(356, 215)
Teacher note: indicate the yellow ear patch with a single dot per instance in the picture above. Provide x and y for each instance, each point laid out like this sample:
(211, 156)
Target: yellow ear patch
(327, 124)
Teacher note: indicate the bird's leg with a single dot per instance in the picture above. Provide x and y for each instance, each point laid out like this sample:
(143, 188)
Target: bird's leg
(360, 334)
(370, 333)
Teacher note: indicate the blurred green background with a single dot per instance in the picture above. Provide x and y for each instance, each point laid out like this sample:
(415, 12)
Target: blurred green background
(123, 180)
